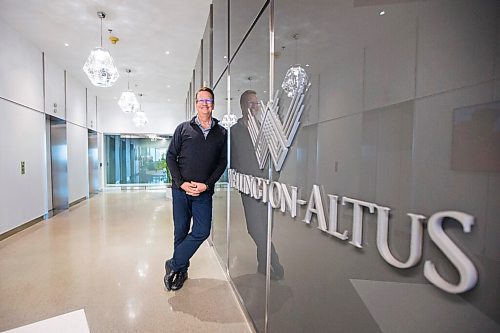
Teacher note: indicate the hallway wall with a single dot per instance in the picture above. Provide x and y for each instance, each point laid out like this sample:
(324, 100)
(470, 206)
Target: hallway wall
(403, 113)
(22, 197)
(21, 69)
(23, 129)
(78, 174)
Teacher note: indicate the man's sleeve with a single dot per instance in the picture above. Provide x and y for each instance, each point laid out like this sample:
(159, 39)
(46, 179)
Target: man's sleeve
(172, 153)
(221, 165)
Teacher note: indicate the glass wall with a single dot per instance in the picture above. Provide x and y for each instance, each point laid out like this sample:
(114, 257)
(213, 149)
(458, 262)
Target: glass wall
(248, 236)
(219, 230)
(384, 185)
(131, 159)
(399, 91)
(220, 38)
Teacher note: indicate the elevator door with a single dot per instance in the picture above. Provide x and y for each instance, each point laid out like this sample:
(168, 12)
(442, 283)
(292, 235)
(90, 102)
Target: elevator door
(93, 163)
(59, 164)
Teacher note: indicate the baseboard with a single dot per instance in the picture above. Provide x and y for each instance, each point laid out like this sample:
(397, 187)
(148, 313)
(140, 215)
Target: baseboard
(76, 202)
(23, 226)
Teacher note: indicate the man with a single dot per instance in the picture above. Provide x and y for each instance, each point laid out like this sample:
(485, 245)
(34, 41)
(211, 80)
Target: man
(244, 161)
(196, 158)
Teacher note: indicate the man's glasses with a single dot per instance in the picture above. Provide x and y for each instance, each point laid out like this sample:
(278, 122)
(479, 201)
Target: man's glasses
(206, 100)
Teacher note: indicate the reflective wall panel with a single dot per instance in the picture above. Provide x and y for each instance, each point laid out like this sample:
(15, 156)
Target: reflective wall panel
(396, 144)
(391, 119)
(248, 236)
(220, 17)
(242, 15)
(219, 223)
(59, 164)
(207, 52)
(198, 80)
(93, 163)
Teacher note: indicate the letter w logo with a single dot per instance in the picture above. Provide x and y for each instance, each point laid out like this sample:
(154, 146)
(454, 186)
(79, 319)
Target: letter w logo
(270, 135)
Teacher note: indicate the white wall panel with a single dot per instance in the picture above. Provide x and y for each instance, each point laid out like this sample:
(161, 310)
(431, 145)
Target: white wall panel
(54, 89)
(78, 175)
(91, 110)
(76, 100)
(23, 197)
(21, 69)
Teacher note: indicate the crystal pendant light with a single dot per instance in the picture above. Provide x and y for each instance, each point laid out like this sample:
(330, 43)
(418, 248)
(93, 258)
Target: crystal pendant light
(229, 120)
(128, 101)
(99, 66)
(140, 119)
(296, 79)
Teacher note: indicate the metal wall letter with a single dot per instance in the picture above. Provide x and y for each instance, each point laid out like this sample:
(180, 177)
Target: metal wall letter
(357, 219)
(465, 267)
(415, 242)
(315, 206)
(332, 225)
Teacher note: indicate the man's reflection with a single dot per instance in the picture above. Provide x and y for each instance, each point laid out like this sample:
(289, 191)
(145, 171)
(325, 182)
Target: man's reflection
(243, 159)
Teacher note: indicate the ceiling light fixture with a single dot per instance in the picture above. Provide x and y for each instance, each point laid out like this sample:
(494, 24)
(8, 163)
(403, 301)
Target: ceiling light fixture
(140, 119)
(66, 44)
(296, 79)
(99, 66)
(382, 13)
(128, 101)
(228, 120)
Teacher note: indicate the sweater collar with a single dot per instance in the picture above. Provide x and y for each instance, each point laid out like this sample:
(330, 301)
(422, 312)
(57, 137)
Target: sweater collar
(214, 121)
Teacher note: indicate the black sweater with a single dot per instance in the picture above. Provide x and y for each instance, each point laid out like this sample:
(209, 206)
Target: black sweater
(191, 157)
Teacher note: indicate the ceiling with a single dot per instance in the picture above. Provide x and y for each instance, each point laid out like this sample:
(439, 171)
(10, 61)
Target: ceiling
(147, 29)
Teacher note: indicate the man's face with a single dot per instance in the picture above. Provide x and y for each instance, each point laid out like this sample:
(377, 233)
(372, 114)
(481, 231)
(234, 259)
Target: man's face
(204, 103)
(252, 103)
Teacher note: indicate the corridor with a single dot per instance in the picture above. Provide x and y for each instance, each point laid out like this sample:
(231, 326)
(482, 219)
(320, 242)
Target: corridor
(106, 256)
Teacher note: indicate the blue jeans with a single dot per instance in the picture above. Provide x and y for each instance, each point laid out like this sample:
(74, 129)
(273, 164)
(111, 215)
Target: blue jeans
(186, 243)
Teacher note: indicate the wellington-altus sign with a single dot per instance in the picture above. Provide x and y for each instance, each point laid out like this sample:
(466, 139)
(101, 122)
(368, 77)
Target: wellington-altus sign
(272, 136)
(286, 198)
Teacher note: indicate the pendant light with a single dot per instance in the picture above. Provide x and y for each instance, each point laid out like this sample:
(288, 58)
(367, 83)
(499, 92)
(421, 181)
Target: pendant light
(228, 120)
(140, 119)
(99, 66)
(296, 79)
(128, 101)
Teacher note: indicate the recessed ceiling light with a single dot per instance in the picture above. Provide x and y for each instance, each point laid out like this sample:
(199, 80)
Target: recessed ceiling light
(307, 65)
(168, 100)
(382, 13)
(66, 44)
(168, 85)
(167, 52)
(225, 57)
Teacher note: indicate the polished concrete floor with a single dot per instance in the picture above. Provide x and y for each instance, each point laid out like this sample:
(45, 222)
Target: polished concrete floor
(106, 256)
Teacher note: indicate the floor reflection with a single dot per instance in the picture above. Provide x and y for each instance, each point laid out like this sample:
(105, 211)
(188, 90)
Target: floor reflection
(208, 300)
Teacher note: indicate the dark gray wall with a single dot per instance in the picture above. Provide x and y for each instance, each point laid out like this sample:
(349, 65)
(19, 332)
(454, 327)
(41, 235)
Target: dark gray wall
(402, 112)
